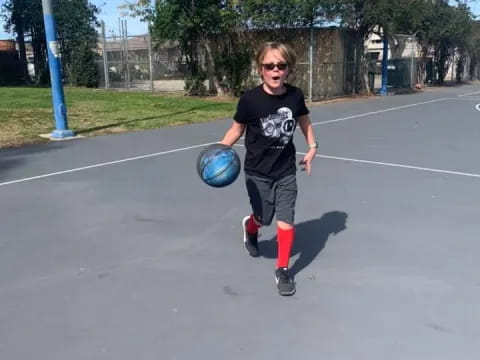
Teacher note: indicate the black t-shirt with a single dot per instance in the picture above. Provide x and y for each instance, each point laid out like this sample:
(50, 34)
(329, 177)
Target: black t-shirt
(271, 121)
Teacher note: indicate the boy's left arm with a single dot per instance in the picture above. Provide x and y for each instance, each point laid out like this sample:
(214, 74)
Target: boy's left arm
(307, 129)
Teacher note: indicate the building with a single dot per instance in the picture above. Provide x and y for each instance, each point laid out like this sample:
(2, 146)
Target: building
(10, 69)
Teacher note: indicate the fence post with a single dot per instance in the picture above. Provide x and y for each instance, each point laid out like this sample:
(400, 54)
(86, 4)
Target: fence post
(355, 69)
(105, 57)
(310, 70)
(121, 46)
(412, 79)
(150, 55)
(125, 39)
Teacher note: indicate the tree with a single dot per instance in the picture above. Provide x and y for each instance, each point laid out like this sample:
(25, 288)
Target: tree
(194, 24)
(355, 15)
(25, 18)
(76, 21)
(197, 22)
(444, 30)
(384, 18)
(18, 18)
(473, 42)
(142, 9)
(285, 16)
(452, 41)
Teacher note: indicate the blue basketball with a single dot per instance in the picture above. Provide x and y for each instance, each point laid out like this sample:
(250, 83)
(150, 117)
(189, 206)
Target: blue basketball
(218, 165)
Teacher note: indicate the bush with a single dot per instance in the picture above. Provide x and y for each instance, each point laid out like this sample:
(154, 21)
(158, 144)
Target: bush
(82, 70)
(195, 85)
(233, 68)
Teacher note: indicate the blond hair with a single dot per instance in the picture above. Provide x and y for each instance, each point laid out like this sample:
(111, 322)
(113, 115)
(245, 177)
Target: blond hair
(285, 50)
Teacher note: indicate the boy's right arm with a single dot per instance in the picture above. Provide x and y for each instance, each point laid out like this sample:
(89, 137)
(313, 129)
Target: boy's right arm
(233, 134)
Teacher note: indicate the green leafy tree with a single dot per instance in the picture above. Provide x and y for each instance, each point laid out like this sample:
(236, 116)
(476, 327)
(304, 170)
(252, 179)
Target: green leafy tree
(76, 21)
(451, 40)
(443, 31)
(142, 9)
(14, 16)
(195, 24)
(384, 18)
(473, 42)
(359, 16)
(25, 18)
(21, 17)
(286, 16)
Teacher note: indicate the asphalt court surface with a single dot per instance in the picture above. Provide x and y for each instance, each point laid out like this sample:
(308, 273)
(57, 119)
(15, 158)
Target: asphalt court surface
(112, 248)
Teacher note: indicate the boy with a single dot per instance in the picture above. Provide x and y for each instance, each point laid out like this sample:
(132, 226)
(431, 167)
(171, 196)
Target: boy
(269, 113)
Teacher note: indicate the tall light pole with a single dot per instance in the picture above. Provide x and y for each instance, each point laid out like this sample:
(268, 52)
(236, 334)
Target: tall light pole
(60, 111)
(383, 90)
(412, 39)
(412, 80)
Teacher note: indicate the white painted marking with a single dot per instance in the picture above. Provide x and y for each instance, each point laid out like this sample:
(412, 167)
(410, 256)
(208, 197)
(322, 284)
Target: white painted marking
(379, 111)
(469, 98)
(103, 164)
(468, 94)
(477, 107)
(449, 172)
(197, 146)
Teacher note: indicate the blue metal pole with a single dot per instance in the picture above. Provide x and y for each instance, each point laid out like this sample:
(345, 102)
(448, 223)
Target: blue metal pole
(59, 108)
(383, 90)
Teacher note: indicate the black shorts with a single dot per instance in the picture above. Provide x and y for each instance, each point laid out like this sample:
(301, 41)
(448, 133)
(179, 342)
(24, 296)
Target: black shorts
(269, 197)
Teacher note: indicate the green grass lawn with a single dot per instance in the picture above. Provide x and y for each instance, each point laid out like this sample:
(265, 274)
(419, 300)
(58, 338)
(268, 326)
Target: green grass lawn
(26, 112)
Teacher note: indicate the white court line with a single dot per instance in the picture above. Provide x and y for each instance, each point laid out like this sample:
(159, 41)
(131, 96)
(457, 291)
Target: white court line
(103, 164)
(397, 165)
(378, 111)
(468, 94)
(468, 98)
(197, 146)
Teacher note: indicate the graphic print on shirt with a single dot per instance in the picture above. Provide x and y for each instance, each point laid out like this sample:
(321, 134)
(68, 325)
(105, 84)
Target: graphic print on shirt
(279, 126)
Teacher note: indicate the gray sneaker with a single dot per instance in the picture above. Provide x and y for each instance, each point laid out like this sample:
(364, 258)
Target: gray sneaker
(250, 240)
(285, 282)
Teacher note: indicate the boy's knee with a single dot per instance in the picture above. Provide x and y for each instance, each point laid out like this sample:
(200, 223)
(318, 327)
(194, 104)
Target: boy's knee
(285, 225)
(286, 217)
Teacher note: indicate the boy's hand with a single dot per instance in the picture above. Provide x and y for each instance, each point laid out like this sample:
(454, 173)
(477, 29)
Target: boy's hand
(307, 161)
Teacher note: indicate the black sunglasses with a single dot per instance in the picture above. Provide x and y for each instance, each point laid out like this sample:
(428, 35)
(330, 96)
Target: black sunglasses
(271, 66)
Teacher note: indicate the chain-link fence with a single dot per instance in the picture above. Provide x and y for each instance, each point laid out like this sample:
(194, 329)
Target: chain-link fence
(138, 63)
(330, 64)
(329, 79)
(327, 65)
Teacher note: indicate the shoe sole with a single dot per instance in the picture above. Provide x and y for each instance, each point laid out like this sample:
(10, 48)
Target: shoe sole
(244, 227)
(245, 242)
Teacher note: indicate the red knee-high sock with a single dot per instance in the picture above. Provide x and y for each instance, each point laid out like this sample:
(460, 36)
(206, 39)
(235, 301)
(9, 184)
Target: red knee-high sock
(285, 242)
(252, 226)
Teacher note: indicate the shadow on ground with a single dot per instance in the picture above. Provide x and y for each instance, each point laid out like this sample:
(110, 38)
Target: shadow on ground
(310, 239)
(7, 164)
(15, 157)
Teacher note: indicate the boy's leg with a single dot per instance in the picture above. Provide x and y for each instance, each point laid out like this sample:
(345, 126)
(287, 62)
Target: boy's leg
(250, 234)
(285, 237)
(260, 192)
(252, 224)
(285, 196)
